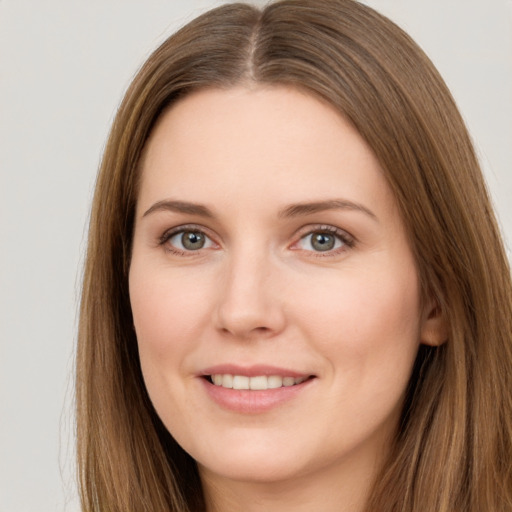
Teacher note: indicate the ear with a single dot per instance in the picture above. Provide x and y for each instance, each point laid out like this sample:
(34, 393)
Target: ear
(434, 328)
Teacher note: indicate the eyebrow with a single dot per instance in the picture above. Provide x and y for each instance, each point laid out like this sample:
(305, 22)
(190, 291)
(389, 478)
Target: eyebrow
(302, 209)
(293, 210)
(180, 207)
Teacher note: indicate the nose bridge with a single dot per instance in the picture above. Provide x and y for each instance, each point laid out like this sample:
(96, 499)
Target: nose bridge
(247, 301)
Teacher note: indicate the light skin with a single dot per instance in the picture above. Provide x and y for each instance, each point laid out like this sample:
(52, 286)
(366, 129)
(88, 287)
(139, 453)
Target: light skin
(266, 234)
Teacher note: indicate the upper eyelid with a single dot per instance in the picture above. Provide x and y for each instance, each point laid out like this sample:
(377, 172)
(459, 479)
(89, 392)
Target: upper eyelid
(316, 228)
(168, 233)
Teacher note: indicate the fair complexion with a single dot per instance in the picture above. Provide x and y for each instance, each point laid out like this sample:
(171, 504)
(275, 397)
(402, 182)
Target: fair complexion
(268, 250)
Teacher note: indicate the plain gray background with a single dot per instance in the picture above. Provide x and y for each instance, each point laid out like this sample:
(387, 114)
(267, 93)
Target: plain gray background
(64, 65)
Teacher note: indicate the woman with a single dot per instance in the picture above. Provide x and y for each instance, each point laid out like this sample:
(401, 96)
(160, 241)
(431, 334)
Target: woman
(295, 292)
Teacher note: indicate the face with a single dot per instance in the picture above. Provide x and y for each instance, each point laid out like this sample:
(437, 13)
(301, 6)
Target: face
(274, 294)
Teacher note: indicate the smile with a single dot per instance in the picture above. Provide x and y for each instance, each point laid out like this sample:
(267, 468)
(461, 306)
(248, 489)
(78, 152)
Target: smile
(254, 389)
(256, 383)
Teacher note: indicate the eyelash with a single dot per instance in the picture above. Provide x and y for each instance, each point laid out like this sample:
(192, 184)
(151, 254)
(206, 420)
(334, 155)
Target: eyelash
(192, 228)
(347, 240)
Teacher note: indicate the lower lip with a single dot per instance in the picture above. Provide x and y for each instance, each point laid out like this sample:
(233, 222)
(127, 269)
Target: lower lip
(253, 401)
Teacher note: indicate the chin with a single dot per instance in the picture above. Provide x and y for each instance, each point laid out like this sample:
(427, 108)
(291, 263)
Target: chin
(261, 470)
(252, 460)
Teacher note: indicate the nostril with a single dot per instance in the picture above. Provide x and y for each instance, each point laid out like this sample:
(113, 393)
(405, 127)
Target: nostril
(247, 333)
(261, 329)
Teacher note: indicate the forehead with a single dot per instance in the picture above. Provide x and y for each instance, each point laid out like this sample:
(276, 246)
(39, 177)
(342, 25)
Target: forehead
(273, 142)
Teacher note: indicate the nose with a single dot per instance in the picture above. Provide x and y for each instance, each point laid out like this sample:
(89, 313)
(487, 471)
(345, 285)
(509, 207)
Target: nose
(249, 301)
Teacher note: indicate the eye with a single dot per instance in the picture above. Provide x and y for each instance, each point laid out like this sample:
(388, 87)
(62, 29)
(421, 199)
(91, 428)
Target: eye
(186, 240)
(326, 239)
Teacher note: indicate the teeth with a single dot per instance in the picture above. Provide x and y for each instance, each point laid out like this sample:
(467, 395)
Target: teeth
(288, 381)
(274, 381)
(258, 383)
(239, 382)
(226, 381)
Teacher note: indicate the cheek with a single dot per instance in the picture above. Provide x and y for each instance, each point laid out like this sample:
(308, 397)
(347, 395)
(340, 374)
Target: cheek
(356, 307)
(367, 326)
(167, 313)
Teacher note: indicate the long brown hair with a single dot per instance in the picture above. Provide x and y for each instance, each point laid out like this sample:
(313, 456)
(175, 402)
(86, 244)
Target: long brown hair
(453, 451)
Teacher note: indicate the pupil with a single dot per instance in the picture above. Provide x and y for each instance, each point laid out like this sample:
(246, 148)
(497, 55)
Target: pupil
(323, 241)
(192, 240)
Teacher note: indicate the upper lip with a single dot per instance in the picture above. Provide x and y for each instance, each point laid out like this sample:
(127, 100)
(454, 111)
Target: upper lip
(252, 371)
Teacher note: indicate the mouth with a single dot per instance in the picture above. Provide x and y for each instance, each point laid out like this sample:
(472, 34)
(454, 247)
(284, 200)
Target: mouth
(254, 383)
(254, 389)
